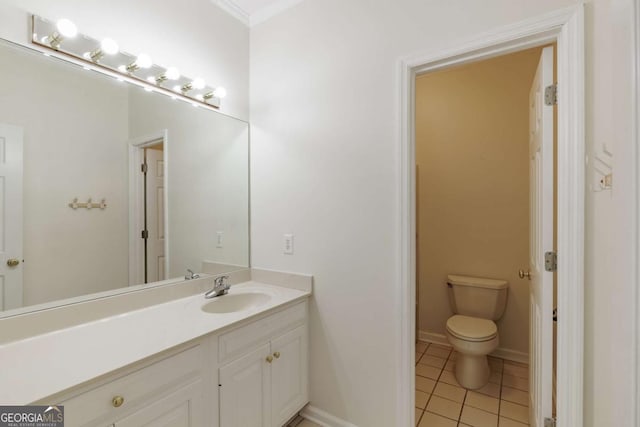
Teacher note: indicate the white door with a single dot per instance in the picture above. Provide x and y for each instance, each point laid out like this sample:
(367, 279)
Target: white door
(541, 240)
(10, 217)
(288, 375)
(245, 395)
(182, 408)
(155, 214)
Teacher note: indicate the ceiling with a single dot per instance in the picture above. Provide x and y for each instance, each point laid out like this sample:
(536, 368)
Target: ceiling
(253, 12)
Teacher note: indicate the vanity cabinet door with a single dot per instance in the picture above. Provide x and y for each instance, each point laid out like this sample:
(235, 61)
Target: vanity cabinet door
(244, 386)
(182, 408)
(289, 391)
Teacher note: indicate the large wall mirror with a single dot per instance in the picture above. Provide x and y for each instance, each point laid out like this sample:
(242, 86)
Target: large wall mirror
(68, 135)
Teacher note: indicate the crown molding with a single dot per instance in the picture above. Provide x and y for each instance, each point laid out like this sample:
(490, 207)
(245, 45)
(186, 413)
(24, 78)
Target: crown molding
(234, 10)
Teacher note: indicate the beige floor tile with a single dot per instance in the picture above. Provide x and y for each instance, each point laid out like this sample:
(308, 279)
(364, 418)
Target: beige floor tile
(482, 401)
(450, 365)
(515, 382)
(446, 408)
(514, 411)
(463, 425)
(430, 419)
(515, 396)
(436, 362)
(477, 418)
(421, 399)
(438, 352)
(421, 347)
(418, 415)
(453, 355)
(425, 384)
(495, 377)
(506, 422)
(490, 389)
(450, 392)
(517, 371)
(427, 371)
(449, 378)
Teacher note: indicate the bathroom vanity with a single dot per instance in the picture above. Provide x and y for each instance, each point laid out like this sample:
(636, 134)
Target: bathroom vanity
(238, 359)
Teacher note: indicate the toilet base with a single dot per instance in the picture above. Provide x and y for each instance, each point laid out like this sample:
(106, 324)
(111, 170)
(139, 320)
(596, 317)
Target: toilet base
(472, 372)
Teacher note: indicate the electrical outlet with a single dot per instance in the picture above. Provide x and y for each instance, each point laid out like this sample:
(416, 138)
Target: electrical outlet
(288, 244)
(219, 239)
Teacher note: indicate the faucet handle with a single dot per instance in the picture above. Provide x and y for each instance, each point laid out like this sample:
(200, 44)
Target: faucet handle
(220, 281)
(191, 275)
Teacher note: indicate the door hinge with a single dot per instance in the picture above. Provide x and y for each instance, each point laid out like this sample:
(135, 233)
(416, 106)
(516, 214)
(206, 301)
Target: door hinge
(551, 94)
(549, 422)
(551, 261)
(145, 234)
(143, 167)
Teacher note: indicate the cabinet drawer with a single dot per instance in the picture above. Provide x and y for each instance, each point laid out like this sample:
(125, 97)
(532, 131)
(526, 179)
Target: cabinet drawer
(246, 338)
(134, 388)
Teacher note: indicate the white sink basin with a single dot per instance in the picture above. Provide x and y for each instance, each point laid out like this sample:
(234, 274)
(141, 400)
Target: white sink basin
(236, 302)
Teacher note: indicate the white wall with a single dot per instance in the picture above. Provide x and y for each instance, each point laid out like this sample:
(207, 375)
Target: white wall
(75, 126)
(208, 188)
(324, 112)
(196, 36)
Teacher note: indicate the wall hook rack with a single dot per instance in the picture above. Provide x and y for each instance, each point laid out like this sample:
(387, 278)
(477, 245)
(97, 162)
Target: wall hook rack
(88, 205)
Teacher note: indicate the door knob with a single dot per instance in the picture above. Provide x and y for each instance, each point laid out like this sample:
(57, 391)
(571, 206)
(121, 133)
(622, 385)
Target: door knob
(524, 274)
(13, 262)
(269, 359)
(117, 401)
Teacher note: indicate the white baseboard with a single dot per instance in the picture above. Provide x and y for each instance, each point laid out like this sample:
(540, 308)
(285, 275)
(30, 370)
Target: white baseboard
(323, 418)
(503, 353)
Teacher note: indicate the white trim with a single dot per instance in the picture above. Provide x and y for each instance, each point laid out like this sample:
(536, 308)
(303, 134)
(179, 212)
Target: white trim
(258, 16)
(635, 134)
(323, 418)
(268, 12)
(135, 199)
(566, 27)
(234, 10)
(501, 352)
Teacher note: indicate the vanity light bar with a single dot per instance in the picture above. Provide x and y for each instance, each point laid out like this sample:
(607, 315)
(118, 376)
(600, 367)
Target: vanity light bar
(63, 38)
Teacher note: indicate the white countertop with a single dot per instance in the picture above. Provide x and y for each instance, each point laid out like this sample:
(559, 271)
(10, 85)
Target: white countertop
(42, 365)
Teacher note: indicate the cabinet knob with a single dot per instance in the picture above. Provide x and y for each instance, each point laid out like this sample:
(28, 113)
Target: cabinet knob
(276, 355)
(269, 359)
(13, 262)
(117, 401)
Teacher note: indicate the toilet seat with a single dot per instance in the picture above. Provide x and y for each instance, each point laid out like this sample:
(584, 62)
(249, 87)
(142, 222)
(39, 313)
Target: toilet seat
(473, 329)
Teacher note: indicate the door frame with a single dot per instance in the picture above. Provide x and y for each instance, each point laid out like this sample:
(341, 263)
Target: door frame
(136, 147)
(565, 27)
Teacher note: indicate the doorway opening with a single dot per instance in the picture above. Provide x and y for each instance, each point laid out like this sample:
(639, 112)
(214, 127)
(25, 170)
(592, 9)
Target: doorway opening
(565, 28)
(485, 214)
(148, 209)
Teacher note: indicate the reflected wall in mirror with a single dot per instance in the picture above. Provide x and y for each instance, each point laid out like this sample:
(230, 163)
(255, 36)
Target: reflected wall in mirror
(66, 133)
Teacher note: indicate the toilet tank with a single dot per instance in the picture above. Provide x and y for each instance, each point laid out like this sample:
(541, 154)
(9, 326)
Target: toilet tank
(477, 296)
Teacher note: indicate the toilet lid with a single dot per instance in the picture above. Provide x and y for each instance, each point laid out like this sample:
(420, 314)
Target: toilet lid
(471, 328)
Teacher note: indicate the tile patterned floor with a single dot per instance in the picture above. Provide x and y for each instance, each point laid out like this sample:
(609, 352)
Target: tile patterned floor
(442, 402)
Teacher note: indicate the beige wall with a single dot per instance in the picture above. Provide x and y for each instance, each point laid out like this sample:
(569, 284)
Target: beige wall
(472, 126)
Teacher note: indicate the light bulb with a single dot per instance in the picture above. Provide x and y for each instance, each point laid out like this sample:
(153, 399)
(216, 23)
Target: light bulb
(67, 28)
(220, 92)
(151, 79)
(177, 88)
(172, 73)
(122, 68)
(200, 97)
(197, 83)
(109, 46)
(144, 61)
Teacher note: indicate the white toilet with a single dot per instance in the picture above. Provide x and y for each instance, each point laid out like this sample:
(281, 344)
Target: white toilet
(476, 304)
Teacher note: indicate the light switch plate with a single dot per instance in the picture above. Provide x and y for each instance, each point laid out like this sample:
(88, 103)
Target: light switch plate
(288, 244)
(219, 235)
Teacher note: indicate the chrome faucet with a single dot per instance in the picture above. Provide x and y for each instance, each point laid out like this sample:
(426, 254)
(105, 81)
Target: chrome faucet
(220, 287)
(191, 275)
